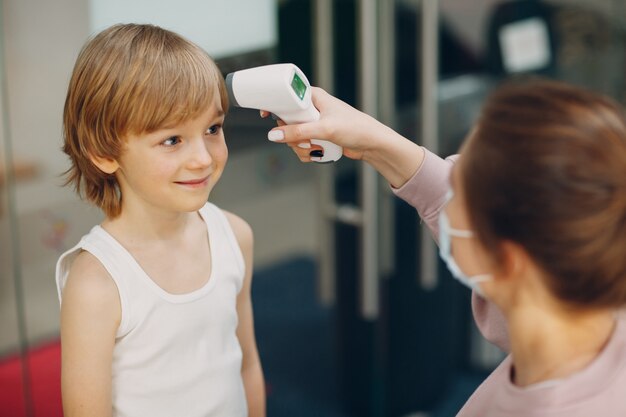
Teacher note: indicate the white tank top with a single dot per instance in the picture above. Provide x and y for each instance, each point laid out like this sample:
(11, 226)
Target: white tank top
(174, 355)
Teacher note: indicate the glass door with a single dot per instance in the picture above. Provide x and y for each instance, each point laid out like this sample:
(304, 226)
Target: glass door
(14, 365)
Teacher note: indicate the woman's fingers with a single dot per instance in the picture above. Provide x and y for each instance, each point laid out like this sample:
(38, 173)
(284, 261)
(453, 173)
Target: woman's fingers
(264, 114)
(304, 154)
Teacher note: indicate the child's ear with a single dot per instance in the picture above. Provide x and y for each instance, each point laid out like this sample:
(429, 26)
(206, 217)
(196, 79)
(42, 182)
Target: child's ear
(106, 165)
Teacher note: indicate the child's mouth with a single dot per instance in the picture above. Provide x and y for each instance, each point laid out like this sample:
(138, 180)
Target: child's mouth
(200, 182)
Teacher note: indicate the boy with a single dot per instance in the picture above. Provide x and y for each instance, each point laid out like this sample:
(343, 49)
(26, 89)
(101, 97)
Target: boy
(156, 315)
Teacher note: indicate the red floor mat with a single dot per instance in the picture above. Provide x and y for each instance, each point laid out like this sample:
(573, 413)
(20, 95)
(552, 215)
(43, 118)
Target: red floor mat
(45, 370)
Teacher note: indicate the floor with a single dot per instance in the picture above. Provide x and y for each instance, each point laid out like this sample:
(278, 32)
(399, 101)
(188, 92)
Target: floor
(297, 350)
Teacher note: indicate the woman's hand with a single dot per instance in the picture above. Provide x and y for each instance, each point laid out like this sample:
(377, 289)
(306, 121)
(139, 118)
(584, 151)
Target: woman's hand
(360, 135)
(339, 123)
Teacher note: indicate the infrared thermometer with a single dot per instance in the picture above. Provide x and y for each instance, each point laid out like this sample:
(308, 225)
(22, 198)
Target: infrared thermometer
(283, 90)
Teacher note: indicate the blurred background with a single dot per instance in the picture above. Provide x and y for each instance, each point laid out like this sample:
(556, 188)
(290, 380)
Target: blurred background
(355, 315)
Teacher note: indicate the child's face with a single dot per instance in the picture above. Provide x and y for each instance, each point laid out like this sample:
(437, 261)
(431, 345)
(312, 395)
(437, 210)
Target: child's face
(174, 169)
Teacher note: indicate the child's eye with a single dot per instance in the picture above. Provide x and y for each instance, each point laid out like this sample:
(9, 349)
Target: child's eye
(172, 141)
(214, 130)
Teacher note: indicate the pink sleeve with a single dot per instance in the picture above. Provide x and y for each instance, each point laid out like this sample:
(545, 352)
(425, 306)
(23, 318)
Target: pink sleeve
(426, 191)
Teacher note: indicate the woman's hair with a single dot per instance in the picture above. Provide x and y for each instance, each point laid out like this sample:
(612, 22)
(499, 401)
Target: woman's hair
(546, 168)
(130, 79)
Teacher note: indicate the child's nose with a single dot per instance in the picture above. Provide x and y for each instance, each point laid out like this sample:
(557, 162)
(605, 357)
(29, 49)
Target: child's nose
(200, 155)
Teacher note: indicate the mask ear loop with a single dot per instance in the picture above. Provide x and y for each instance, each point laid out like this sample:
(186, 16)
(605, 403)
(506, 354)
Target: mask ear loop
(451, 230)
(469, 234)
(481, 278)
(460, 233)
(473, 281)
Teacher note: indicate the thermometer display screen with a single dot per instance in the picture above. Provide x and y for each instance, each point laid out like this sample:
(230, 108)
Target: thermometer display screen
(299, 87)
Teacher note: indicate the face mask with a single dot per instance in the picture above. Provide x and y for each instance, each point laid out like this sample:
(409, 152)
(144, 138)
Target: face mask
(445, 233)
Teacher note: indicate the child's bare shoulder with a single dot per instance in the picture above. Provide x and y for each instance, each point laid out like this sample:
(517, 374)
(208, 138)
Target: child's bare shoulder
(90, 284)
(242, 229)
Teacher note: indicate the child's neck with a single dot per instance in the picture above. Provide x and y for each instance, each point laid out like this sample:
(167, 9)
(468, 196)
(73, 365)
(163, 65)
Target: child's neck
(548, 344)
(149, 225)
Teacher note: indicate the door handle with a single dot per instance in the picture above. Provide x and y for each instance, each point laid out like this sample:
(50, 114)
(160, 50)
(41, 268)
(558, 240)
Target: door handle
(368, 101)
(429, 50)
(322, 11)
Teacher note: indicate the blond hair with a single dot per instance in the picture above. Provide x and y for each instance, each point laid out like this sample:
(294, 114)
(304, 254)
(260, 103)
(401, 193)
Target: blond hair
(130, 79)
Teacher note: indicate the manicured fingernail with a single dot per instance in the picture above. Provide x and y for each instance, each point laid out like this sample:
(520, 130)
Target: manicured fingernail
(275, 135)
(304, 145)
(316, 153)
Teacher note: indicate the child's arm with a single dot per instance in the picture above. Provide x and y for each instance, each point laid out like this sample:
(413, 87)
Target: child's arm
(90, 316)
(251, 370)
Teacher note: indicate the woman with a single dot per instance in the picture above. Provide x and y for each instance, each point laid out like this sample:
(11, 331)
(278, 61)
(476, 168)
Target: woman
(532, 217)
